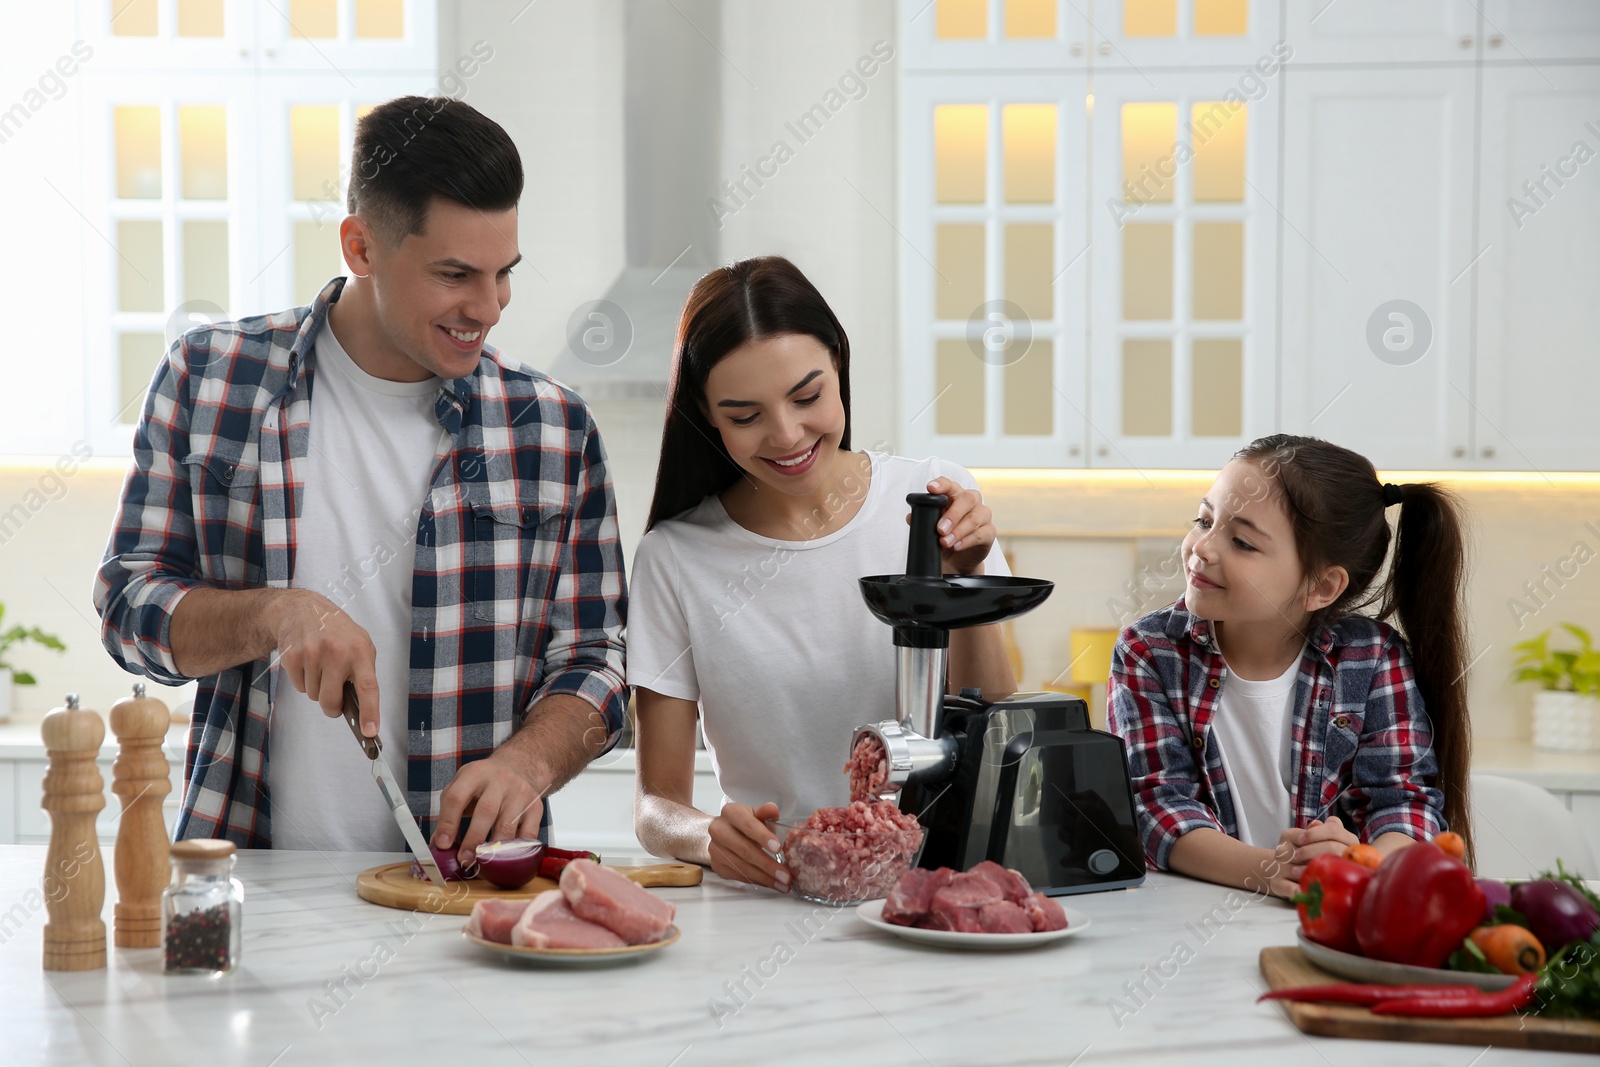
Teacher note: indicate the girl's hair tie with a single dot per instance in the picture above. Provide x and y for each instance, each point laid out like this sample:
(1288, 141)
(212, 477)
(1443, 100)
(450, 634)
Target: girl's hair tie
(1392, 494)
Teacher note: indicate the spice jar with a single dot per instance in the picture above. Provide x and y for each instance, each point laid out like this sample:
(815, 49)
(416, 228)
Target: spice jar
(202, 910)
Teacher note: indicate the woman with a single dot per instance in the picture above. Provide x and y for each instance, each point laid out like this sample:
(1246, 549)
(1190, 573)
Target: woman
(744, 604)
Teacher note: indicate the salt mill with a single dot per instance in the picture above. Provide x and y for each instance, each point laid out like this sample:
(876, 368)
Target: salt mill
(74, 874)
(140, 777)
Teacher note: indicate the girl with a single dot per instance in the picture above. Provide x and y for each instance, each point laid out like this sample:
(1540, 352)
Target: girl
(745, 611)
(1266, 721)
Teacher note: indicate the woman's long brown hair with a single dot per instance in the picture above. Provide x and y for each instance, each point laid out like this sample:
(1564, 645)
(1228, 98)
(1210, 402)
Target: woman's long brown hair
(1336, 505)
(745, 301)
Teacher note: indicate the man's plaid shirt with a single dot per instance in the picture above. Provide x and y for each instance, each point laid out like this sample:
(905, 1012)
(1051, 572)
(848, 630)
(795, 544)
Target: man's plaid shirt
(1361, 746)
(517, 590)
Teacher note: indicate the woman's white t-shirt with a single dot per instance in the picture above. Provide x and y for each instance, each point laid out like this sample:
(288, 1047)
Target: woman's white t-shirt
(772, 637)
(1253, 725)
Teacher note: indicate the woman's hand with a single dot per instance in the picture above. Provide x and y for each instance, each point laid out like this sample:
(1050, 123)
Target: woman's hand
(743, 848)
(1318, 838)
(966, 528)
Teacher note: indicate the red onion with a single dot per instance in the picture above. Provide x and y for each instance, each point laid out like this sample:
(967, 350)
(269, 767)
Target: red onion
(509, 864)
(449, 866)
(1557, 913)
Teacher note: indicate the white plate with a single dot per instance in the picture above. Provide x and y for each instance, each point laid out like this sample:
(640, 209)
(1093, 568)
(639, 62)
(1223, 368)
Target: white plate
(871, 913)
(1360, 969)
(575, 957)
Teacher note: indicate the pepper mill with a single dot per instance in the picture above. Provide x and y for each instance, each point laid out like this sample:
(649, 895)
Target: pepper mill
(140, 777)
(74, 874)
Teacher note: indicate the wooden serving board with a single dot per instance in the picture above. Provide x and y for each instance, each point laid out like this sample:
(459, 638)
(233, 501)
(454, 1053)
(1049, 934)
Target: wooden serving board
(1288, 968)
(393, 886)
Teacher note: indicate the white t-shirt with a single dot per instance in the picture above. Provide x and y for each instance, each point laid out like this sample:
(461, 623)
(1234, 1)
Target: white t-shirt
(772, 637)
(1253, 724)
(373, 447)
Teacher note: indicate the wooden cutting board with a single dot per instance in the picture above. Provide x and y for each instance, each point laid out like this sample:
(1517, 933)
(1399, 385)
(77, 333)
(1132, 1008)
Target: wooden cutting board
(1287, 968)
(393, 886)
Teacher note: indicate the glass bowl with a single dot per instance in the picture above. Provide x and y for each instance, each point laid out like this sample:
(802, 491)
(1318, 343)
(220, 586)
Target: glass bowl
(845, 867)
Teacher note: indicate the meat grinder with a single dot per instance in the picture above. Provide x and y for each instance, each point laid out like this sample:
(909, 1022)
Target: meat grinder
(1024, 781)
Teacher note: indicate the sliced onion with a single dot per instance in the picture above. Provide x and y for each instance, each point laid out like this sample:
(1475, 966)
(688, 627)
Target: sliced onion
(509, 864)
(449, 866)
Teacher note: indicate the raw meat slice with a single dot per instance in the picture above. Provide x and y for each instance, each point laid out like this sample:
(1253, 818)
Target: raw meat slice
(549, 922)
(1004, 918)
(1045, 913)
(493, 919)
(912, 895)
(1012, 885)
(603, 896)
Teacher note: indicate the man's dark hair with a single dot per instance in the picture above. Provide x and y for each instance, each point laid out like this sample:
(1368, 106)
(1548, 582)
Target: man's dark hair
(414, 148)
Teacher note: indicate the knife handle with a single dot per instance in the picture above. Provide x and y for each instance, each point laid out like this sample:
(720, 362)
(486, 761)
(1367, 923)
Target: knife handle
(352, 716)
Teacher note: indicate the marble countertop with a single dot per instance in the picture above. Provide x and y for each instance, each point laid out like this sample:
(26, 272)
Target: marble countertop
(1166, 974)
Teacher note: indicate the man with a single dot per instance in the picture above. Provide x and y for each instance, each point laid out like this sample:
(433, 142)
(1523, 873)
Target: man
(363, 490)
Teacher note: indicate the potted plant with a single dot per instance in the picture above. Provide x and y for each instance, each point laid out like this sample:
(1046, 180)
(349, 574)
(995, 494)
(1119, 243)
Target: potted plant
(1566, 710)
(8, 675)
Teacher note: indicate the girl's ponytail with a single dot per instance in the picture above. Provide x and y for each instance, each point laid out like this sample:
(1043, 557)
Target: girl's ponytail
(1423, 590)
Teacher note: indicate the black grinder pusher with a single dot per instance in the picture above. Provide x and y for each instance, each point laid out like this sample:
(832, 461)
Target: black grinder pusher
(1023, 781)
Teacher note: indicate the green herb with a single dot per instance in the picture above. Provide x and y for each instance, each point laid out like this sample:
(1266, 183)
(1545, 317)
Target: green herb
(18, 635)
(1469, 957)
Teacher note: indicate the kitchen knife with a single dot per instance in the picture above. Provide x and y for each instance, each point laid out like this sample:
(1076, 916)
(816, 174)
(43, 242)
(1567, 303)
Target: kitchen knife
(393, 795)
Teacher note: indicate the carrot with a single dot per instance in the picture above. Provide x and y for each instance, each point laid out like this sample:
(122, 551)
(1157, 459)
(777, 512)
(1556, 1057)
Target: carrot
(1365, 855)
(1509, 949)
(1453, 844)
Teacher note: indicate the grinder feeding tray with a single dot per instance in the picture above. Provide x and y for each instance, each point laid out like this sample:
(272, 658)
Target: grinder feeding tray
(1022, 781)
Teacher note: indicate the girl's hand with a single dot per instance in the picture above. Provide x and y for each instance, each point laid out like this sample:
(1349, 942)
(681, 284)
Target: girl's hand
(743, 848)
(1318, 838)
(966, 529)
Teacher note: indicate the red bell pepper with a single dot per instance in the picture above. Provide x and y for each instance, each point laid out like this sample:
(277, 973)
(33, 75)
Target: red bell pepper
(1331, 889)
(1418, 908)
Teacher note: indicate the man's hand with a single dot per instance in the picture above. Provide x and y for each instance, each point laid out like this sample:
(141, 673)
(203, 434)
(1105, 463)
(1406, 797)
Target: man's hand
(320, 648)
(499, 798)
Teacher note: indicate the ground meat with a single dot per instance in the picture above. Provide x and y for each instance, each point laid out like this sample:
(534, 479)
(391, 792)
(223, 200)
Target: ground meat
(868, 768)
(850, 854)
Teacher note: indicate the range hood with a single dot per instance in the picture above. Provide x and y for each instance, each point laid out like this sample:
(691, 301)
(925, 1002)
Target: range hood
(672, 119)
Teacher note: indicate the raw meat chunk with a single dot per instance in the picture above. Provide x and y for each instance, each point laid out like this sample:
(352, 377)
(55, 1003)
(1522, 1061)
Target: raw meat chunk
(548, 922)
(1004, 918)
(1012, 885)
(493, 919)
(603, 896)
(912, 895)
(1045, 913)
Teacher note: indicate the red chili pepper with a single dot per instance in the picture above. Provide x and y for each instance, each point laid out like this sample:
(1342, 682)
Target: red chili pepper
(1510, 999)
(1355, 993)
(554, 859)
(1330, 892)
(1418, 908)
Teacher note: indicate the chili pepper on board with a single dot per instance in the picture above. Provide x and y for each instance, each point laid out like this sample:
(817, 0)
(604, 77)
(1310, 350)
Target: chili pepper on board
(1366, 994)
(1418, 908)
(1330, 892)
(1512, 998)
(555, 859)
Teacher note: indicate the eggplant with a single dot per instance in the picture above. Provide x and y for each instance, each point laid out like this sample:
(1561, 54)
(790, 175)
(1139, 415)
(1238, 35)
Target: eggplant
(509, 864)
(1557, 913)
(1496, 894)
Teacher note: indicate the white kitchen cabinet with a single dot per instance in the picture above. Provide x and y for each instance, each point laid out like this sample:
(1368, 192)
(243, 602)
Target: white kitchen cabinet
(1524, 32)
(1378, 208)
(1184, 238)
(8, 806)
(1131, 36)
(32, 822)
(1538, 368)
(981, 35)
(1382, 31)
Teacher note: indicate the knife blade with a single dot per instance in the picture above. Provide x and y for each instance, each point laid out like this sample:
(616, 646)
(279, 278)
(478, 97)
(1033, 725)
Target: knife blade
(393, 795)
